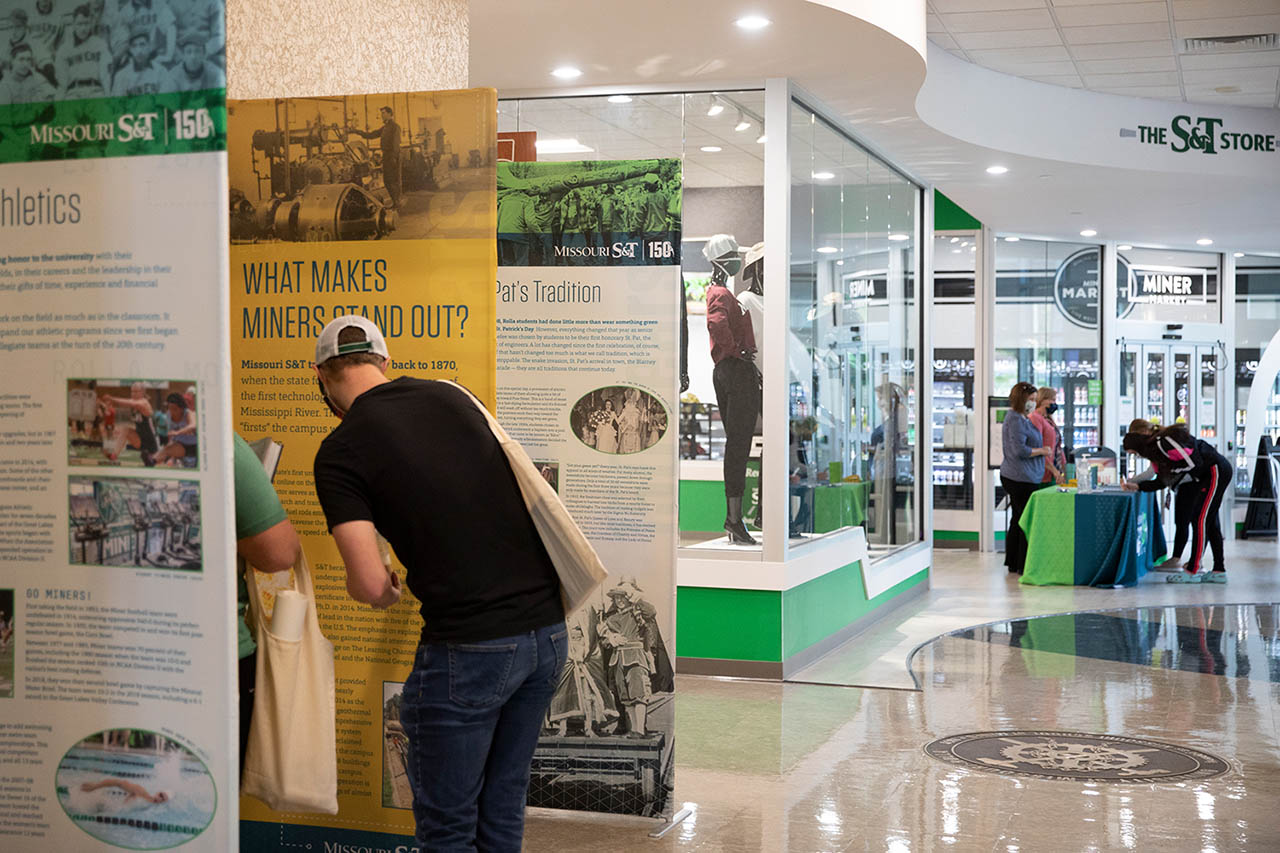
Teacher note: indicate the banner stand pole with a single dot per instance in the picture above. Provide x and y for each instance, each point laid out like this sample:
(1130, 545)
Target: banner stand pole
(676, 819)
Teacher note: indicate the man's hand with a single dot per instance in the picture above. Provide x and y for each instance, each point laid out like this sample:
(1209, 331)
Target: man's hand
(392, 596)
(1130, 486)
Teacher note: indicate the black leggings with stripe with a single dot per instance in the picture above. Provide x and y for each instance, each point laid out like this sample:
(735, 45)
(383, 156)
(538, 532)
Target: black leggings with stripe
(1209, 490)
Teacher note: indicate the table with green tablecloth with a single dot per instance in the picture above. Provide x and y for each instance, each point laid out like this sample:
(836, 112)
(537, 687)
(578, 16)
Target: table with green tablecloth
(837, 505)
(1107, 538)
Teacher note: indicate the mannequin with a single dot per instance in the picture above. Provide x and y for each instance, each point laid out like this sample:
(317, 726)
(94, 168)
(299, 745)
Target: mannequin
(751, 298)
(736, 380)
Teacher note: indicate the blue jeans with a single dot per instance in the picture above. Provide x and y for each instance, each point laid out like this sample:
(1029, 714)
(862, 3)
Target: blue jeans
(473, 712)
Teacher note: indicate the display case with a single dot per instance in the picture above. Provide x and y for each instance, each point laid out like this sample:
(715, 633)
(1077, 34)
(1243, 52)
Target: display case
(701, 431)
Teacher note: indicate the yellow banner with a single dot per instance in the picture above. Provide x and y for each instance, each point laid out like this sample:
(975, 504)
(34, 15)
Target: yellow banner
(337, 212)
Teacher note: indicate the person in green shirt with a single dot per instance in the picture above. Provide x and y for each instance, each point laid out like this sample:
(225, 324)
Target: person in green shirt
(267, 541)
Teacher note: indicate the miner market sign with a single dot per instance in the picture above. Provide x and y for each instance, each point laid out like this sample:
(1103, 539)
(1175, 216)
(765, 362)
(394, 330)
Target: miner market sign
(1077, 287)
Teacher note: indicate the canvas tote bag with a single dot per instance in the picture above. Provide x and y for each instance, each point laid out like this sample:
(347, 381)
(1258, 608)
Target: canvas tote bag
(291, 761)
(576, 562)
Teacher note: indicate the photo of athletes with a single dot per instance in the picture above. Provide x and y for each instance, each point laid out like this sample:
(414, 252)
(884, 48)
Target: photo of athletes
(57, 50)
(134, 522)
(618, 419)
(403, 166)
(589, 213)
(138, 423)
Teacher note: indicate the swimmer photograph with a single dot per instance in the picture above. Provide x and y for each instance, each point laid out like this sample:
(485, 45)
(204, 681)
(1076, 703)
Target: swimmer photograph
(132, 423)
(134, 522)
(136, 789)
(8, 629)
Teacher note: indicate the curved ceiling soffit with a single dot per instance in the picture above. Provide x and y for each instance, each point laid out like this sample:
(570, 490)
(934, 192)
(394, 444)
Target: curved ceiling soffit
(846, 52)
(1006, 113)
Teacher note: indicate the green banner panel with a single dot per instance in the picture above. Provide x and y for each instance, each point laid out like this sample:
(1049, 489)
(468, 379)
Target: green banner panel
(138, 125)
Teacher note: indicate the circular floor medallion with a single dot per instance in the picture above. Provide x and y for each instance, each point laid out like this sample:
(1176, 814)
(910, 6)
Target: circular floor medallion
(1076, 756)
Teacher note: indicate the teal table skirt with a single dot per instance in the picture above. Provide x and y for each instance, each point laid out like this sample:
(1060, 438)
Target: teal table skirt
(1093, 539)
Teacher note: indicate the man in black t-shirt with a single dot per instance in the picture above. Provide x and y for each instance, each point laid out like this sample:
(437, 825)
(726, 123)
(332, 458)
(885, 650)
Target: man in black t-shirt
(416, 461)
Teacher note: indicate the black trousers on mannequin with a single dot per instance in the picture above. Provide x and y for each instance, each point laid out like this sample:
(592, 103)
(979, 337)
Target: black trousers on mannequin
(1015, 541)
(738, 396)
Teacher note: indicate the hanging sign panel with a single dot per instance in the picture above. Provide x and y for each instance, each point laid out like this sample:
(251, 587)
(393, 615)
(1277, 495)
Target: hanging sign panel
(382, 206)
(588, 302)
(117, 645)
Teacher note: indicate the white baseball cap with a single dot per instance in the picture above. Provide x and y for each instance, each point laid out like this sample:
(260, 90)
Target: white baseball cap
(327, 345)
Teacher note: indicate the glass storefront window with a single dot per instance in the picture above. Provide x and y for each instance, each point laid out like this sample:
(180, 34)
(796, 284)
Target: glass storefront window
(1165, 286)
(954, 329)
(722, 153)
(854, 340)
(1257, 318)
(1046, 329)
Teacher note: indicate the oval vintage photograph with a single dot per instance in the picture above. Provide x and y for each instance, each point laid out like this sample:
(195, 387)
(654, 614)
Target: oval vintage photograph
(136, 789)
(618, 419)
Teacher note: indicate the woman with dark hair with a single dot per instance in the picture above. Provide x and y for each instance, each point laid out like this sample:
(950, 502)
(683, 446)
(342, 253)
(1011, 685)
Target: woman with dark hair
(1183, 501)
(1191, 463)
(1022, 469)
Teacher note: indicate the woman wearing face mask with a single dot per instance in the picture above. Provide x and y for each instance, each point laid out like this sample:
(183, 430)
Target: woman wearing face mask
(1055, 464)
(1022, 470)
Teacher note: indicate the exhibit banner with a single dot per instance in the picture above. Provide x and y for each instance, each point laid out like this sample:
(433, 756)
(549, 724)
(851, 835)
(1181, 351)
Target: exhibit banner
(117, 595)
(382, 206)
(588, 305)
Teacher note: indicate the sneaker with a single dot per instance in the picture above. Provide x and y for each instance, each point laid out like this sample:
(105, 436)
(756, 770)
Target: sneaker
(1216, 577)
(1185, 577)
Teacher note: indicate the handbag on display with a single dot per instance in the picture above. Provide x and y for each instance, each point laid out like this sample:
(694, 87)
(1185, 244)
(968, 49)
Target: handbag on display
(577, 564)
(291, 763)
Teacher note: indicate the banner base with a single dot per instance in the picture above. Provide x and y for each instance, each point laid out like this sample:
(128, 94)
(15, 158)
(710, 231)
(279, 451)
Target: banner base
(676, 819)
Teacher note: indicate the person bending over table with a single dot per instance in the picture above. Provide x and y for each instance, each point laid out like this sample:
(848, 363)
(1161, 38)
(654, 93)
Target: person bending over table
(1022, 470)
(1177, 456)
(1183, 501)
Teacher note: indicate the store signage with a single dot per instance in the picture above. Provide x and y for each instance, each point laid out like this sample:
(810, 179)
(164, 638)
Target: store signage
(1155, 285)
(1202, 134)
(1077, 285)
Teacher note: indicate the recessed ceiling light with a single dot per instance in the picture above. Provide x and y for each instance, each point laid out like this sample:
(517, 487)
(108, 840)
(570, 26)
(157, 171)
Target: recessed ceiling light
(997, 170)
(561, 146)
(752, 22)
(710, 149)
(619, 99)
(823, 176)
(715, 109)
(1126, 247)
(742, 125)
(1088, 232)
(1204, 241)
(1238, 255)
(955, 239)
(898, 238)
(964, 243)
(761, 139)
(955, 251)
(1012, 239)
(828, 250)
(839, 263)
(566, 72)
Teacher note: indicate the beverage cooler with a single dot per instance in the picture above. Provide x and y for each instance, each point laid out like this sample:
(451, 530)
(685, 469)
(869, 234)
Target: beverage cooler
(953, 430)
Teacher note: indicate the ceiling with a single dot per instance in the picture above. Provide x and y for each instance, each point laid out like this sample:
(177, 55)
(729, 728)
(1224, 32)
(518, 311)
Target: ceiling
(1125, 48)
(654, 126)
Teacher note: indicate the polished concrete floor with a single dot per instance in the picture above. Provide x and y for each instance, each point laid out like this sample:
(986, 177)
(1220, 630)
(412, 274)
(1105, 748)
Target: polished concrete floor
(771, 767)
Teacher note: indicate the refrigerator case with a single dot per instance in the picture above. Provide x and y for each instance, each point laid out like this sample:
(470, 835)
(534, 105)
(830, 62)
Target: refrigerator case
(952, 443)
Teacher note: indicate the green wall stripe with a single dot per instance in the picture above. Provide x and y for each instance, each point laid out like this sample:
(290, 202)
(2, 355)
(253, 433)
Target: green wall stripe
(728, 624)
(825, 605)
(949, 216)
(962, 535)
(701, 506)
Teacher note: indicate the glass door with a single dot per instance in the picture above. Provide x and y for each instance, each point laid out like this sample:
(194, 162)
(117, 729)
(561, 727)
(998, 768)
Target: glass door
(1155, 360)
(1183, 388)
(1207, 426)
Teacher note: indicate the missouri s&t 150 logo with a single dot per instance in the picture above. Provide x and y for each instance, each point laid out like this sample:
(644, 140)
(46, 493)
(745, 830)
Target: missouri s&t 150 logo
(1205, 135)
